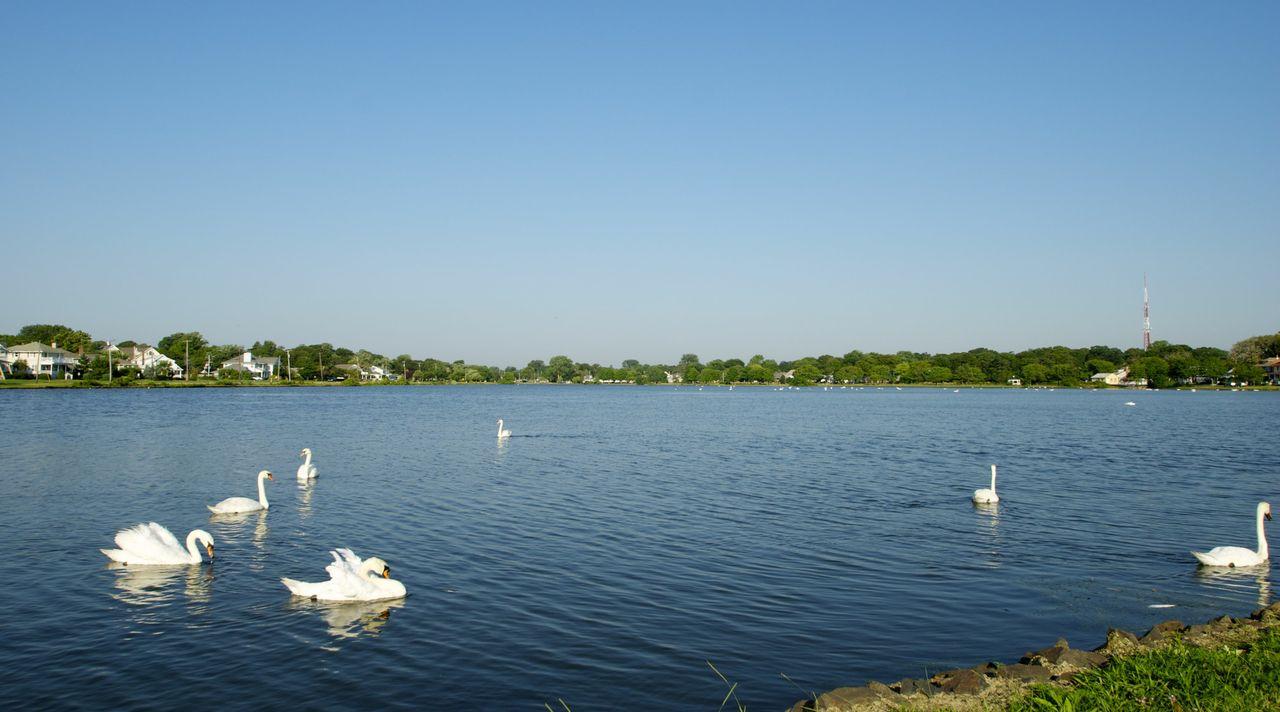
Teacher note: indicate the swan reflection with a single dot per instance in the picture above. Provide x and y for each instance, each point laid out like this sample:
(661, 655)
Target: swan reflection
(306, 488)
(146, 585)
(351, 620)
(231, 526)
(989, 530)
(1239, 579)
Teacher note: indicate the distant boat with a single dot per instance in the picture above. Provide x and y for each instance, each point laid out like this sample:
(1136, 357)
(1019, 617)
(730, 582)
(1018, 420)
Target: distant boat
(1130, 403)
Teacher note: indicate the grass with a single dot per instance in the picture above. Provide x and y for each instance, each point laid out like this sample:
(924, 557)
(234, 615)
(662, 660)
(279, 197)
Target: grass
(1179, 678)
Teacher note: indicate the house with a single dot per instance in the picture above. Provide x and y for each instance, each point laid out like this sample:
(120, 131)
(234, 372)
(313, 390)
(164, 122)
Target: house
(1271, 367)
(260, 367)
(42, 360)
(781, 376)
(1015, 381)
(4, 363)
(143, 357)
(1117, 378)
(674, 377)
(372, 373)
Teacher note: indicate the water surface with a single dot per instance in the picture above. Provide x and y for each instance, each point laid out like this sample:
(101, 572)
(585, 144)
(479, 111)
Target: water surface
(620, 539)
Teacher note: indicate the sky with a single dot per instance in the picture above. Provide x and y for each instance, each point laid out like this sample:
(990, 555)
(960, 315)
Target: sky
(501, 182)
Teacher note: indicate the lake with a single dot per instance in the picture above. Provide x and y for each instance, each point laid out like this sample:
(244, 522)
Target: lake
(620, 539)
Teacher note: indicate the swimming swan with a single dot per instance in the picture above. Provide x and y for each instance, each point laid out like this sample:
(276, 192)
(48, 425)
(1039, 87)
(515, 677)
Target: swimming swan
(502, 433)
(1237, 555)
(350, 579)
(153, 545)
(306, 471)
(987, 496)
(237, 505)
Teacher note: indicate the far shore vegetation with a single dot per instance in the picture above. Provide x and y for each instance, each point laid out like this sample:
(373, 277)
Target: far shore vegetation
(1163, 365)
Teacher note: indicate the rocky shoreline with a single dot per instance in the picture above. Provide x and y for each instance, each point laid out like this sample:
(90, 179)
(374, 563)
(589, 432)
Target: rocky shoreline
(994, 684)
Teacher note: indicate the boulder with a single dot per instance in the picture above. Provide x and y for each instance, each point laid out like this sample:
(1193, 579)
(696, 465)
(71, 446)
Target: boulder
(882, 690)
(987, 669)
(1222, 622)
(1081, 658)
(1048, 656)
(1160, 631)
(1119, 642)
(845, 698)
(963, 682)
(911, 686)
(1024, 673)
(802, 706)
(1270, 614)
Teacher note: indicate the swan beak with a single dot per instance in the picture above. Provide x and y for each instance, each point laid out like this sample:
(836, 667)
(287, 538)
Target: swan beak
(1267, 515)
(209, 548)
(270, 476)
(386, 572)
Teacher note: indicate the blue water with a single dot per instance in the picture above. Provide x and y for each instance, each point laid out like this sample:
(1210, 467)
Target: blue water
(620, 539)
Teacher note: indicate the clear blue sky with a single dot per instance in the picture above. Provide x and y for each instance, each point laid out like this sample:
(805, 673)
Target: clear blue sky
(500, 182)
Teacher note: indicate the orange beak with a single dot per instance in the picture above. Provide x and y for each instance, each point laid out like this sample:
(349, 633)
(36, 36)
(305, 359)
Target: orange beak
(209, 548)
(386, 572)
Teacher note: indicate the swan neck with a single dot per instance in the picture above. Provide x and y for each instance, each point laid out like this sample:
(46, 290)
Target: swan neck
(262, 490)
(307, 461)
(993, 478)
(192, 552)
(1262, 536)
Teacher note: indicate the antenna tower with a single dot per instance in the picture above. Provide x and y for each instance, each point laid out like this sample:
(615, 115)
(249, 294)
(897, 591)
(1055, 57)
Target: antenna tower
(1146, 315)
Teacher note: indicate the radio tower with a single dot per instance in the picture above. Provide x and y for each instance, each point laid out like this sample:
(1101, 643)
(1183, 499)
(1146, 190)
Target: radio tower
(1146, 315)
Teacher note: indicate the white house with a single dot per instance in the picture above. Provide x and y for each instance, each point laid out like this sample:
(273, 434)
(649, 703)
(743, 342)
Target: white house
(4, 362)
(1015, 381)
(260, 367)
(144, 357)
(1117, 378)
(42, 360)
(674, 377)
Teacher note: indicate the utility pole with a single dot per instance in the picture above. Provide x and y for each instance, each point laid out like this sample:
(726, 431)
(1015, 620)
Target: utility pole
(1146, 315)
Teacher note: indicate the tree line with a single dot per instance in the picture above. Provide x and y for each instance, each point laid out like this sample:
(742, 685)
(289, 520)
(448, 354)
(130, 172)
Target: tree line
(1161, 365)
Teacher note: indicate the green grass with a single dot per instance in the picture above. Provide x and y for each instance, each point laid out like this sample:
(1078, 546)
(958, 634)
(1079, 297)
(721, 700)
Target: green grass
(1179, 678)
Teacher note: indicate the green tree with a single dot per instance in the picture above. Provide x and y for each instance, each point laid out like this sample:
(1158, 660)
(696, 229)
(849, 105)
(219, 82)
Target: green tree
(689, 360)
(560, 369)
(1035, 373)
(967, 373)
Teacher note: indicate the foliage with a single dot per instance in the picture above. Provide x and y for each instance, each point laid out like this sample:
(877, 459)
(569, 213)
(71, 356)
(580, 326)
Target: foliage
(1174, 678)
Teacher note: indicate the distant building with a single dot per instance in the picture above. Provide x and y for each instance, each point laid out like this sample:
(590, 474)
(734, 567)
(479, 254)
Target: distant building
(4, 362)
(259, 367)
(674, 377)
(1117, 378)
(1271, 367)
(48, 361)
(1015, 381)
(143, 357)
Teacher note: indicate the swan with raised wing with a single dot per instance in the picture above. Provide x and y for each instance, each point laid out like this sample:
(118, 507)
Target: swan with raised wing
(987, 495)
(306, 471)
(350, 579)
(153, 545)
(502, 433)
(1234, 556)
(239, 505)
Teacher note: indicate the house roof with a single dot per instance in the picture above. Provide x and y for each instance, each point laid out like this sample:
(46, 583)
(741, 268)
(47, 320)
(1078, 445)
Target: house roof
(35, 346)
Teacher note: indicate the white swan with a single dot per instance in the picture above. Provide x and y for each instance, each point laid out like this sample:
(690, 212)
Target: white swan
(153, 545)
(306, 471)
(1237, 555)
(350, 579)
(987, 496)
(502, 433)
(1130, 403)
(237, 505)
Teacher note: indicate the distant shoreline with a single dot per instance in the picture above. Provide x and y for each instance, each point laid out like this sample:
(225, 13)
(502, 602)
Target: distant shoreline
(32, 384)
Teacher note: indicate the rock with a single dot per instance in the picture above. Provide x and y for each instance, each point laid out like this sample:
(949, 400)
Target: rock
(843, 698)
(1024, 673)
(1271, 613)
(882, 690)
(964, 682)
(1197, 630)
(802, 706)
(1048, 656)
(1119, 642)
(1081, 658)
(1222, 622)
(1160, 631)
(987, 669)
(1066, 677)
(911, 686)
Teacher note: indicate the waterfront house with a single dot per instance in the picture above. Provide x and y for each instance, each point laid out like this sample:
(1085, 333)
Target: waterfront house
(48, 361)
(260, 367)
(673, 377)
(1015, 381)
(143, 357)
(4, 362)
(1117, 378)
(1271, 367)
